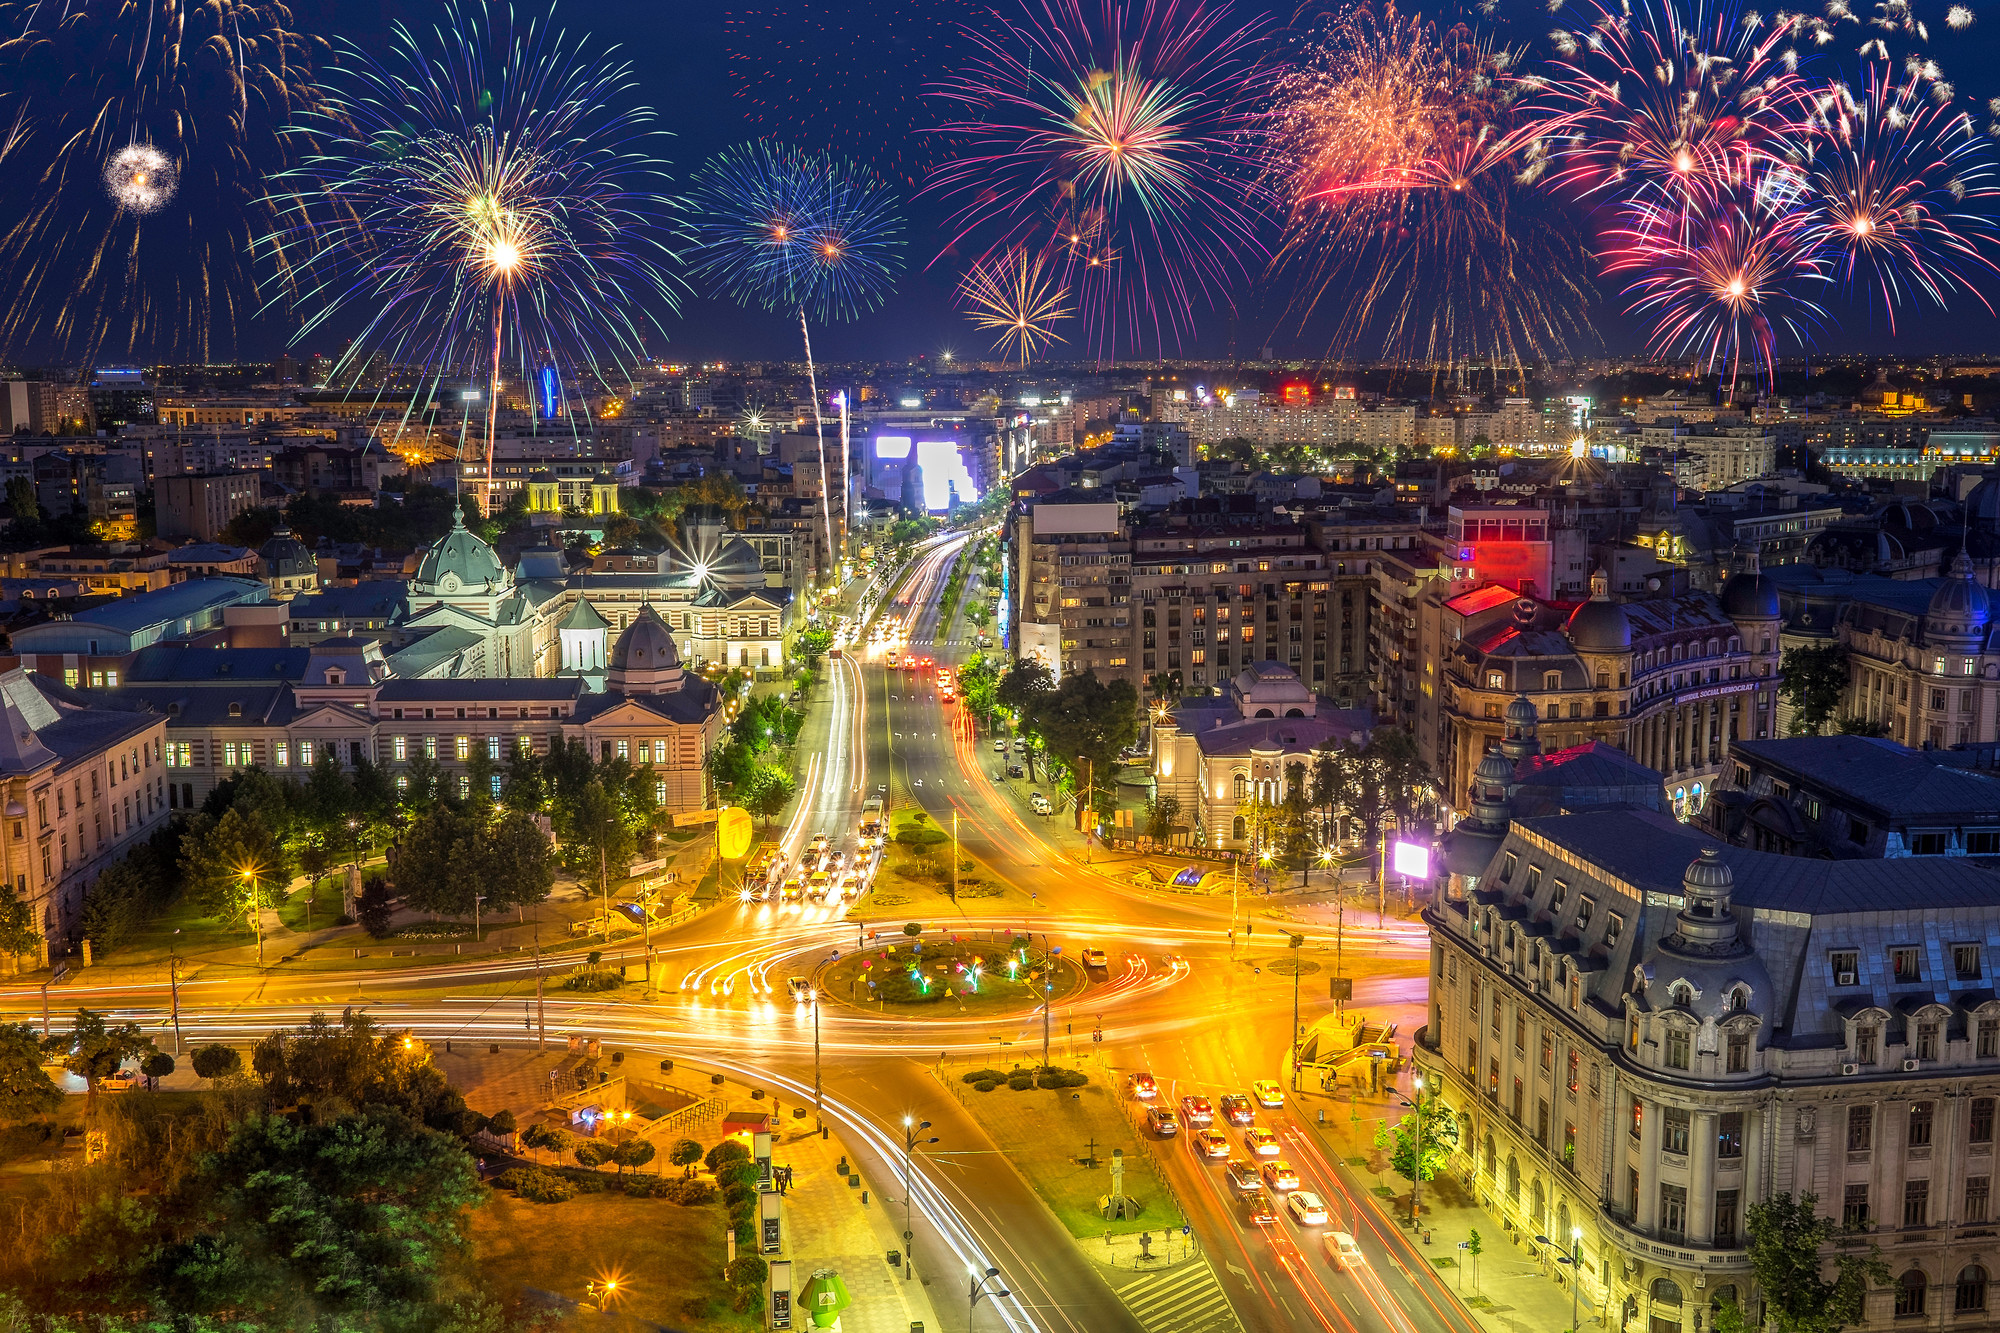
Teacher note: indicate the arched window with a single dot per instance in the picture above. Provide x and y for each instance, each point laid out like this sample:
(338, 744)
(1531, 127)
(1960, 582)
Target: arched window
(1680, 995)
(1242, 789)
(1264, 712)
(1540, 1209)
(1971, 1295)
(1910, 1290)
(1489, 1155)
(1238, 829)
(1719, 1297)
(1666, 1293)
(1739, 999)
(1513, 1179)
(1562, 1224)
(1295, 712)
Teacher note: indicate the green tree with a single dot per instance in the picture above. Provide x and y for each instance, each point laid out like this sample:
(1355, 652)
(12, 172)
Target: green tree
(231, 865)
(1861, 726)
(17, 924)
(1161, 812)
(344, 1222)
(216, 1062)
(156, 1067)
(725, 1154)
(1786, 1237)
(1815, 676)
(746, 1271)
(373, 909)
(634, 1153)
(1085, 723)
(810, 645)
(22, 503)
(1415, 1160)
(592, 1153)
(25, 1086)
(116, 905)
(686, 1154)
(596, 840)
(423, 784)
(522, 784)
(770, 791)
(93, 1049)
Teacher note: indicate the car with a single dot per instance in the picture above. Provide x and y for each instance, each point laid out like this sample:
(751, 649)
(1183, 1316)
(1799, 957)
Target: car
(1236, 1109)
(1241, 1174)
(1000, 747)
(1260, 1141)
(799, 988)
(793, 890)
(1092, 957)
(1197, 1109)
(1162, 1121)
(122, 1080)
(1268, 1093)
(1257, 1210)
(1280, 1176)
(1306, 1208)
(1143, 1087)
(1342, 1252)
(1040, 803)
(1208, 1143)
(1015, 771)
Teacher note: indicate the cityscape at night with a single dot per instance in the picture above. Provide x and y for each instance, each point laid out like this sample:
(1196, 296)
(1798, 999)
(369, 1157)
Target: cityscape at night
(1400, 687)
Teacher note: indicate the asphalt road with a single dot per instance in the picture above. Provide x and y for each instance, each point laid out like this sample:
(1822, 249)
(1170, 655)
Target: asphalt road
(1185, 998)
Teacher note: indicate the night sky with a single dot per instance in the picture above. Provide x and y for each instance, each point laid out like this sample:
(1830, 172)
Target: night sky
(851, 76)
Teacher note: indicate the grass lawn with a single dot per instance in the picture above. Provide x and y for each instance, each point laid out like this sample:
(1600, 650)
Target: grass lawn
(1043, 1134)
(326, 905)
(667, 1259)
(945, 966)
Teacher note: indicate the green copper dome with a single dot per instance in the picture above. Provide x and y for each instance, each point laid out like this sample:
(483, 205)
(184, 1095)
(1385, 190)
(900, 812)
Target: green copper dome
(461, 562)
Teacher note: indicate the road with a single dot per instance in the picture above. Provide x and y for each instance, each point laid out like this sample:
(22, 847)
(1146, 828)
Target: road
(1186, 998)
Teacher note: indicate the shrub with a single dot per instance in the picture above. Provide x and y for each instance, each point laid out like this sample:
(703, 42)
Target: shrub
(690, 1193)
(592, 979)
(740, 1173)
(217, 1061)
(1021, 1082)
(590, 1182)
(724, 1153)
(984, 1076)
(1061, 1078)
(373, 909)
(501, 1123)
(647, 1187)
(746, 1270)
(986, 1085)
(535, 1185)
(737, 1196)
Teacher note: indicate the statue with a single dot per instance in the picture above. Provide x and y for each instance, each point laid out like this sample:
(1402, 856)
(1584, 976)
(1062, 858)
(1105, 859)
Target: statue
(1116, 1206)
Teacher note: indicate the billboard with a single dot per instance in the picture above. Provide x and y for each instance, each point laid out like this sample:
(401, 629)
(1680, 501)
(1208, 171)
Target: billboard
(945, 475)
(1412, 859)
(892, 446)
(1052, 519)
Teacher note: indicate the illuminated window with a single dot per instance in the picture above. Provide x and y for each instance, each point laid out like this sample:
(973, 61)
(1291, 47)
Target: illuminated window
(399, 748)
(660, 754)
(624, 749)
(492, 747)
(430, 747)
(305, 754)
(463, 745)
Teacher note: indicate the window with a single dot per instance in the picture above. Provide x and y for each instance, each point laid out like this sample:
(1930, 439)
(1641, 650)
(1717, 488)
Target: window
(1905, 964)
(1548, 1052)
(1977, 1191)
(1920, 1125)
(1574, 1060)
(1738, 1053)
(1981, 1129)
(1674, 1124)
(1725, 1219)
(1673, 1212)
(462, 746)
(1927, 1041)
(1910, 1290)
(1845, 966)
(1632, 1032)
(1677, 1047)
(430, 747)
(280, 754)
(1638, 1118)
(1970, 1296)
(1584, 908)
(1965, 961)
(1575, 992)
(1729, 1134)
(625, 749)
(1854, 1206)
(399, 748)
(1534, 880)
(1521, 1033)
(1866, 1039)
(1519, 1100)
(1860, 1128)
(1988, 1039)
(492, 747)
(1508, 866)
(1614, 926)
(305, 754)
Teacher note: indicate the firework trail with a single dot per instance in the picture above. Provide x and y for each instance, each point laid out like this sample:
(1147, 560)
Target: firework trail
(1121, 143)
(779, 227)
(1403, 163)
(847, 76)
(92, 259)
(1018, 295)
(484, 198)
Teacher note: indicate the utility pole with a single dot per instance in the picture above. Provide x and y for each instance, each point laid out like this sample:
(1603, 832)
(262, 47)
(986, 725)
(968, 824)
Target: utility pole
(1297, 1046)
(954, 854)
(174, 981)
(477, 899)
(541, 1014)
(819, 1102)
(256, 917)
(910, 1131)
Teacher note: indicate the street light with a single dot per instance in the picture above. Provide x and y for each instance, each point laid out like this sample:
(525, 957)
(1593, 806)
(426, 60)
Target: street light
(174, 980)
(1575, 1261)
(256, 917)
(1297, 1044)
(1417, 1180)
(911, 1128)
(977, 1293)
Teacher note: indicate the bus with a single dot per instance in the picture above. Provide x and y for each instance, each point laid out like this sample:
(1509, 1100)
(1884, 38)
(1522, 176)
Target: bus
(871, 820)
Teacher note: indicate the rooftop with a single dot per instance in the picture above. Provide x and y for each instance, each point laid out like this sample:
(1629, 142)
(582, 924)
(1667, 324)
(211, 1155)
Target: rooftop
(1891, 780)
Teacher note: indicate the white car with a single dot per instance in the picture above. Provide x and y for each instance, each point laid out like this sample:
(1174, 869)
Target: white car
(1093, 958)
(1342, 1252)
(1306, 1208)
(1000, 747)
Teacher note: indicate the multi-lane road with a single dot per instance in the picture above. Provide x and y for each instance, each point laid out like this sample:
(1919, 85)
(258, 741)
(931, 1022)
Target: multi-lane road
(1185, 998)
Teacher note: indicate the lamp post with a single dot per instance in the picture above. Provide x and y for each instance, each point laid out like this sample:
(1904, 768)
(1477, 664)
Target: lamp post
(911, 1128)
(1575, 1261)
(174, 981)
(1297, 1045)
(256, 917)
(1417, 1179)
(604, 880)
(979, 1292)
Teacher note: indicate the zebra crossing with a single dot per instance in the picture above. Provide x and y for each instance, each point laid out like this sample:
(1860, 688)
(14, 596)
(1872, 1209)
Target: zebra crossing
(1187, 1299)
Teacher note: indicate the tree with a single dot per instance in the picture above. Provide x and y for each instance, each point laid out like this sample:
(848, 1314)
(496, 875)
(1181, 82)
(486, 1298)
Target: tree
(686, 1154)
(1815, 676)
(770, 791)
(1085, 723)
(550, 1138)
(592, 1153)
(22, 504)
(810, 645)
(501, 1123)
(232, 865)
(94, 1049)
(746, 1270)
(17, 924)
(724, 1154)
(1786, 1235)
(596, 839)
(372, 908)
(25, 1086)
(156, 1067)
(1420, 1161)
(343, 1221)
(634, 1153)
(1861, 726)
(424, 783)
(1161, 812)
(216, 1062)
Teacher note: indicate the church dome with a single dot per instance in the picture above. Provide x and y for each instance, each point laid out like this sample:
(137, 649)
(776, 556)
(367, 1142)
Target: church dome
(1521, 711)
(1960, 605)
(1600, 624)
(460, 560)
(646, 645)
(285, 556)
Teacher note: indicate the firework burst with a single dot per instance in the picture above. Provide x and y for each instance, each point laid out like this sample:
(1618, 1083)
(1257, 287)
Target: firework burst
(88, 88)
(1120, 145)
(1401, 160)
(1018, 296)
(479, 206)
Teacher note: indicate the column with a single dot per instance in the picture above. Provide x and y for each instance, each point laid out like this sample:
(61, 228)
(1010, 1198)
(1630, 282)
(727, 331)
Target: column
(1701, 1178)
(1753, 1163)
(1649, 1168)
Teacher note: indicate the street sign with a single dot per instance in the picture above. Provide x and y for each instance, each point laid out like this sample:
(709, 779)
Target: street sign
(1186, 1230)
(692, 817)
(1465, 1245)
(1340, 988)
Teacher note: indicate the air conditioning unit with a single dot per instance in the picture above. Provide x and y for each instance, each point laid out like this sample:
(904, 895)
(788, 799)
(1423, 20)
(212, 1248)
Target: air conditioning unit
(1850, 1069)
(1846, 979)
(1910, 1066)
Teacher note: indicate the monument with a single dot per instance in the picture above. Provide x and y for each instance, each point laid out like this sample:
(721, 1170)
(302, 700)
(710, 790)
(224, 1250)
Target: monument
(1117, 1205)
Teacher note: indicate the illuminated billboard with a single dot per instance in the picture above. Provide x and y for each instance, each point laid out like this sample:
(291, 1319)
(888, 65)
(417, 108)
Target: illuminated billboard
(1412, 859)
(944, 474)
(892, 446)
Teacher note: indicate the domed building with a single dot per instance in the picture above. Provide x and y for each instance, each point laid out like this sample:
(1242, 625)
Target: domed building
(287, 567)
(1923, 659)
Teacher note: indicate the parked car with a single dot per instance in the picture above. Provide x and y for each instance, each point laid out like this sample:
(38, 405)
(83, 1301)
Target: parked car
(1015, 771)
(1040, 803)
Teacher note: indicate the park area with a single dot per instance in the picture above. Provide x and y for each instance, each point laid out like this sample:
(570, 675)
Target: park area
(951, 975)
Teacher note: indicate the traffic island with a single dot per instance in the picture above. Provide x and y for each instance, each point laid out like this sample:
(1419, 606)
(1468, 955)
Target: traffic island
(950, 977)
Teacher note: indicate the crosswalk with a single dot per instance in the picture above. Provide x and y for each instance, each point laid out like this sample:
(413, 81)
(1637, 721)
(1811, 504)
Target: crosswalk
(1184, 1299)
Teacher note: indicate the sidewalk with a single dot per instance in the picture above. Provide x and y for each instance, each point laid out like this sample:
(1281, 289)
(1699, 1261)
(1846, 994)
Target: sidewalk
(827, 1226)
(1508, 1287)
